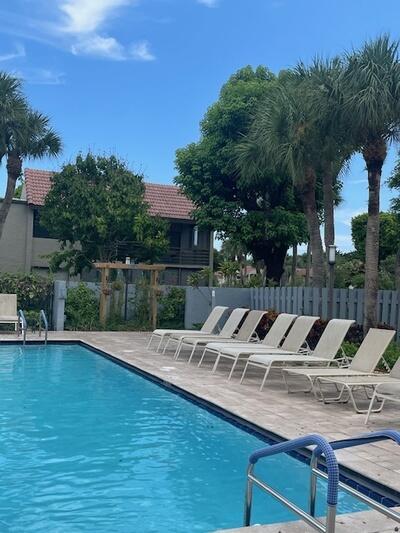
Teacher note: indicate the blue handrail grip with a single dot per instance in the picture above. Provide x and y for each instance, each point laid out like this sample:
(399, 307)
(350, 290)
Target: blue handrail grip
(308, 440)
(366, 438)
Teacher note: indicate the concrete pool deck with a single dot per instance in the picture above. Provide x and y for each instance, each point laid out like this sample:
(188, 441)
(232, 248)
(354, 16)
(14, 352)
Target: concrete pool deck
(273, 409)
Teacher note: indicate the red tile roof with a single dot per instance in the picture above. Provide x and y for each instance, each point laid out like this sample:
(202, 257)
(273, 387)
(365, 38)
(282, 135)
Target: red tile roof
(167, 201)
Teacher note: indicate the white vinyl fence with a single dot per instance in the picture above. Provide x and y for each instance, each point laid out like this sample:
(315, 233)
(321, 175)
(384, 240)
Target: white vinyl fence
(347, 303)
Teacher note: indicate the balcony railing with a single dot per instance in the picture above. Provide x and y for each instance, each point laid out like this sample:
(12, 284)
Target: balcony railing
(179, 256)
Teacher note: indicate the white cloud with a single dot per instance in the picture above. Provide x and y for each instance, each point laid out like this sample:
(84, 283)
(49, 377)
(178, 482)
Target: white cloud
(99, 46)
(18, 52)
(209, 3)
(85, 16)
(141, 51)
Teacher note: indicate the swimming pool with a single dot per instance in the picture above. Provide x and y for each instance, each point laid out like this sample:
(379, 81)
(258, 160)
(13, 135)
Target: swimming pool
(88, 446)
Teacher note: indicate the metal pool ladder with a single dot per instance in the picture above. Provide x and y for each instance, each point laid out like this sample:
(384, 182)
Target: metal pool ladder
(23, 325)
(43, 319)
(327, 449)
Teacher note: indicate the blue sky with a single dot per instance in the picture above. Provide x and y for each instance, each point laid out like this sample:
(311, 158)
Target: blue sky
(136, 76)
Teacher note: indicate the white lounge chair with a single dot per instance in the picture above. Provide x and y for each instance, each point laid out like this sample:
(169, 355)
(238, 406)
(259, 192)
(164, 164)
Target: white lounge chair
(324, 353)
(292, 344)
(347, 384)
(272, 339)
(386, 388)
(227, 332)
(8, 310)
(244, 334)
(363, 363)
(208, 327)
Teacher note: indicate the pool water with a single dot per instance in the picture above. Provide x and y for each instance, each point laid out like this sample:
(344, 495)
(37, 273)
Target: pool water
(87, 445)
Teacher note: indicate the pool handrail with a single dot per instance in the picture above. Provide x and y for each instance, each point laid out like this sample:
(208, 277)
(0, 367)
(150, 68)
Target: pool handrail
(43, 318)
(23, 325)
(289, 446)
(365, 438)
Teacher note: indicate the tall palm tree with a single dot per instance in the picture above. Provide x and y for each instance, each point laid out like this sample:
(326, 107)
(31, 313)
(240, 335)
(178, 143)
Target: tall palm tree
(24, 133)
(284, 134)
(370, 87)
(321, 81)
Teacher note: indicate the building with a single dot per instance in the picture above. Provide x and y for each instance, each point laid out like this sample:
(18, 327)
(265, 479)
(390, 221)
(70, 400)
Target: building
(25, 243)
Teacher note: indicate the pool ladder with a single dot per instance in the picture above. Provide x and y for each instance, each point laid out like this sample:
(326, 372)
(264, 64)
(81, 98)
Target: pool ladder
(43, 325)
(327, 449)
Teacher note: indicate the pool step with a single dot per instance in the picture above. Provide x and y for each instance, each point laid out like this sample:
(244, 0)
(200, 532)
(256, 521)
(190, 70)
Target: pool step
(362, 522)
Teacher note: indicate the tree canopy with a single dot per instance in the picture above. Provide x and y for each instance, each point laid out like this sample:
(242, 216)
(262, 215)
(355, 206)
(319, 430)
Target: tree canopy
(263, 215)
(389, 234)
(24, 133)
(96, 209)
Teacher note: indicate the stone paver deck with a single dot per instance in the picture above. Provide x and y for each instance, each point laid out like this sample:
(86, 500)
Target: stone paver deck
(273, 409)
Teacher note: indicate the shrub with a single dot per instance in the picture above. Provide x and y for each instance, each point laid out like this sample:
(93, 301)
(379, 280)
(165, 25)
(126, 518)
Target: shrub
(172, 309)
(81, 309)
(33, 291)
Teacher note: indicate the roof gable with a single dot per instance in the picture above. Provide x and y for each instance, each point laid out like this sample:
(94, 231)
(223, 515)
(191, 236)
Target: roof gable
(166, 201)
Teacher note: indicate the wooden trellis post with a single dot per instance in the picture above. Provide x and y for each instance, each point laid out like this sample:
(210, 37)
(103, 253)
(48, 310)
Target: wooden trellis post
(105, 290)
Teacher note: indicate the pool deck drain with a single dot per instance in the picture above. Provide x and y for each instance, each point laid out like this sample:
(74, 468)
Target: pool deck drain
(273, 409)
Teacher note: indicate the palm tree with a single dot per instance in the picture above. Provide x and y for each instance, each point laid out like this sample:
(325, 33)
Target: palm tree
(284, 134)
(321, 81)
(24, 133)
(370, 87)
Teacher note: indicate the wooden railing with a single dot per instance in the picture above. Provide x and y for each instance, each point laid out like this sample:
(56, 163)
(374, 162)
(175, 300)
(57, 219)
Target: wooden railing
(181, 256)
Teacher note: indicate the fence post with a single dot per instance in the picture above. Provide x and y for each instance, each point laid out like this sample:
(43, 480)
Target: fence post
(59, 297)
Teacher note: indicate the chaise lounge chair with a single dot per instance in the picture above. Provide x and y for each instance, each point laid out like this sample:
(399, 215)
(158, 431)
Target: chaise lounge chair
(386, 387)
(292, 344)
(363, 363)
(228, 332)
(324, 353)
(8, 310)
(272, 339)
(208, 327)
(346, 384)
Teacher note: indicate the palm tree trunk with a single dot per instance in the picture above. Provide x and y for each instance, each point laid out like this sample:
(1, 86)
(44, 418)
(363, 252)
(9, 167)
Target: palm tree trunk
(308, 266)
(374, 156)
(311, 213)
(294, 266)
(329, 199)
(14, 168)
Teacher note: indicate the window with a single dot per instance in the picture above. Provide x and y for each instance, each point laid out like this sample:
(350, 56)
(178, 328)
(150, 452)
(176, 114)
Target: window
(38, 230)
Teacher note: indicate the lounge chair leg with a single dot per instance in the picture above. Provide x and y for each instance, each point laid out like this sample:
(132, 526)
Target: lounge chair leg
(178, 350)
(244, 372)
(166, 345)
(202, 357)
(151, 338)
(268, 368)
(192, 353)
(160, 344)
(285, 376)
(235, 362)
(214, 368)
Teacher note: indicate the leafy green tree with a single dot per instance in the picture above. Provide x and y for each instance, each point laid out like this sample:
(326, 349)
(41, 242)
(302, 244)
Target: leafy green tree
(370, 103)
(394, 183)
(24, 133)
(96, 209)
(264, 215)
(286, 136)
(389, 239)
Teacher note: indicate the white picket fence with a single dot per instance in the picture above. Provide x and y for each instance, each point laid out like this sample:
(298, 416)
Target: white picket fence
(347, 303)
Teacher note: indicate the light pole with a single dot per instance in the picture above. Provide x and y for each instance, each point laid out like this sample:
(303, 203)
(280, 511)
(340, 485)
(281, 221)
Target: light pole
(331, 280)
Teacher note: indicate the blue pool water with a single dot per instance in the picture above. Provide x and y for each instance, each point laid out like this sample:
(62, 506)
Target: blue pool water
(88, 446)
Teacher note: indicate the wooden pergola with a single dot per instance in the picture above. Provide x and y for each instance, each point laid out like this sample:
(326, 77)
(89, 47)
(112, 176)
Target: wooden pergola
(104, 292)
